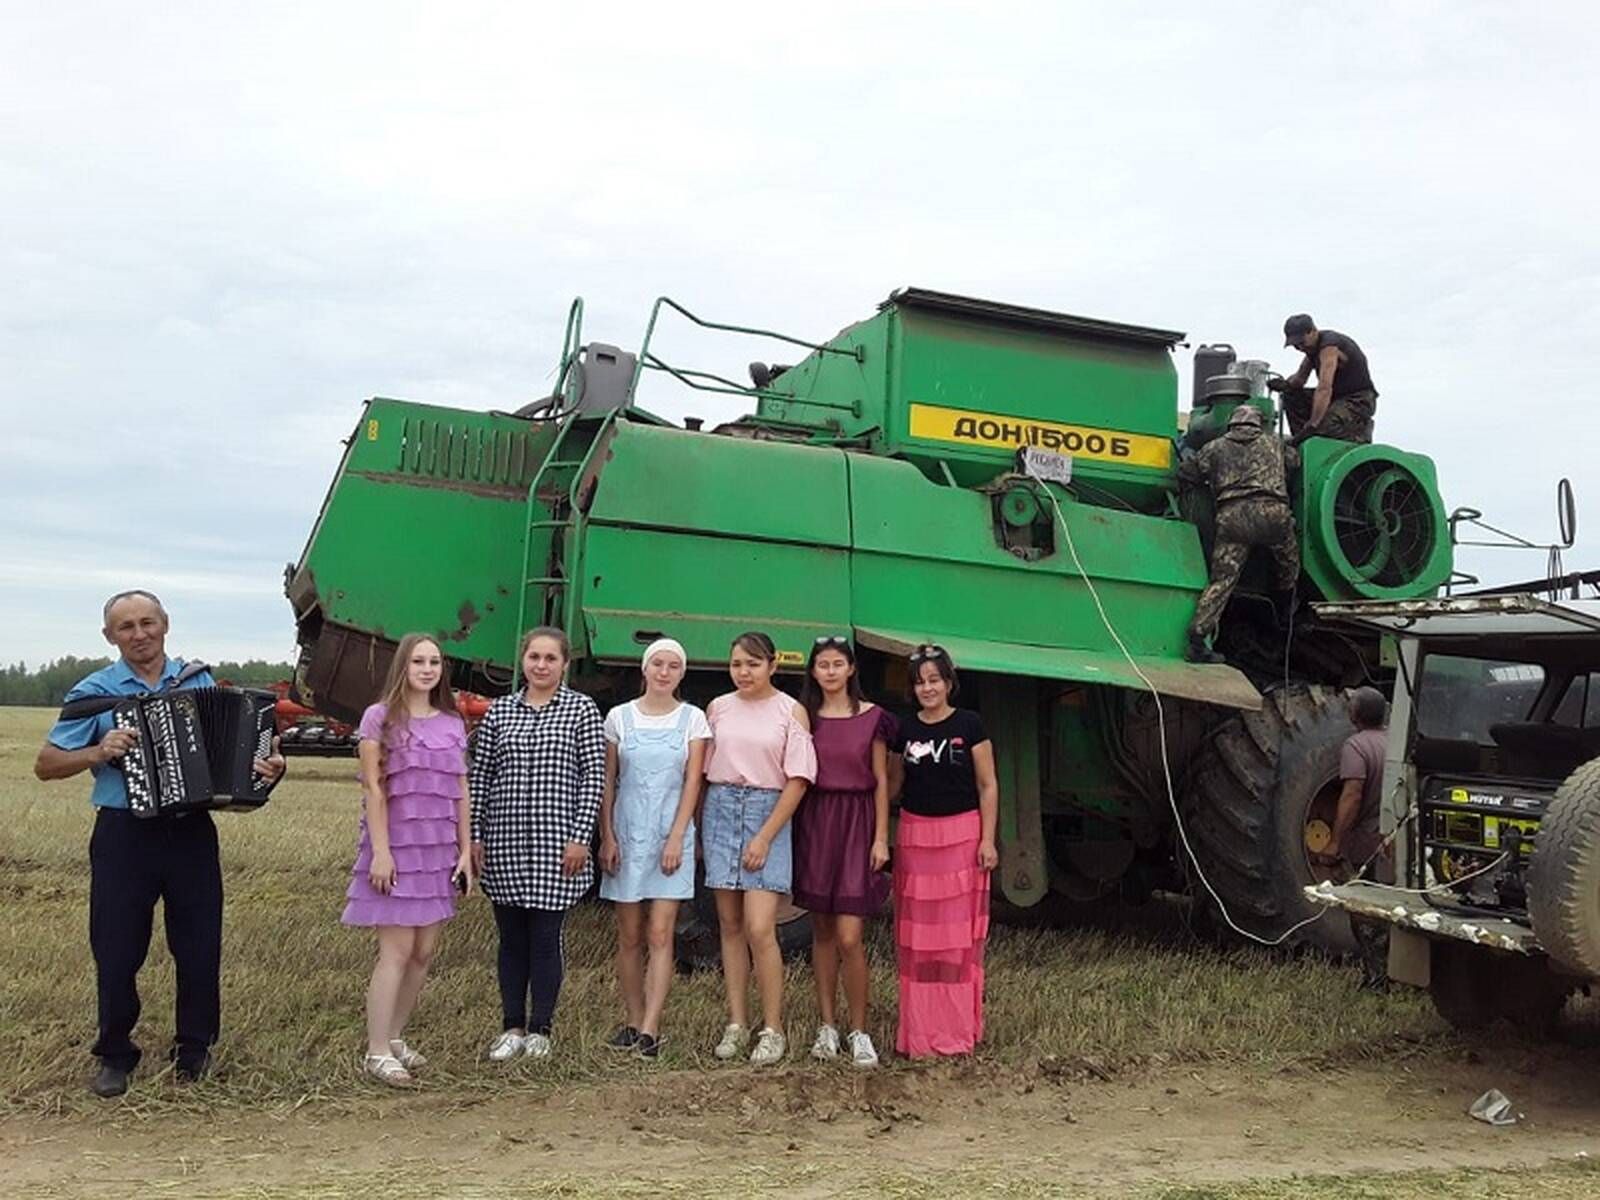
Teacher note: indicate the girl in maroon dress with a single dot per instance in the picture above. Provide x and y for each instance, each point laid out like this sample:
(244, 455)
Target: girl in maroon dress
(841, 839)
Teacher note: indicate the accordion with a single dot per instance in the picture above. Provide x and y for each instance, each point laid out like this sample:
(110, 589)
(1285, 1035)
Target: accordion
(196, 749)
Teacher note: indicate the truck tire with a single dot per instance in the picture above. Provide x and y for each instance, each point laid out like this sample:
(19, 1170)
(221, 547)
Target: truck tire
(1245, 812)
(1461, 983)
(1472, 986)
(699, 943)
(1564, 874)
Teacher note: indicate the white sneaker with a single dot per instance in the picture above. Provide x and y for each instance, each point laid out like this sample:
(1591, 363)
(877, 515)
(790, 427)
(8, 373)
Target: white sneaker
(734, 1038)
(506, 1047)
(771, 1046)
(862, 1052)
(536, 1045)
(827, 1043)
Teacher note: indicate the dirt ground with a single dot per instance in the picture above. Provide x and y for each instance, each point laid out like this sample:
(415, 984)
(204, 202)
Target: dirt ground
(810, 1131)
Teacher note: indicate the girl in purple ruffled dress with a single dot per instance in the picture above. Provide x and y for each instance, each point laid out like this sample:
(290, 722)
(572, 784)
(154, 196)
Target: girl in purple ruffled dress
(414, 843)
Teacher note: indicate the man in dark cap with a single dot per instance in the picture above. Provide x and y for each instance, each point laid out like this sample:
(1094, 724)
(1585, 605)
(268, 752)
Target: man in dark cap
(1344, 401)
(1245, 471)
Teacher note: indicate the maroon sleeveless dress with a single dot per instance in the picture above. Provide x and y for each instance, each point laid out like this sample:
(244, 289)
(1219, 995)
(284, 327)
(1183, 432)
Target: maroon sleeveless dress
(834, 824)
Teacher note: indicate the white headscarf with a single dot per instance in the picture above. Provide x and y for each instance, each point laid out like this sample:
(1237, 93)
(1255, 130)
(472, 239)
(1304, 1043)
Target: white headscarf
(659, 645)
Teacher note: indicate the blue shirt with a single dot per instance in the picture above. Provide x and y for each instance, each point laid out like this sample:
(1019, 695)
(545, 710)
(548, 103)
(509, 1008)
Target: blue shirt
(119, 679)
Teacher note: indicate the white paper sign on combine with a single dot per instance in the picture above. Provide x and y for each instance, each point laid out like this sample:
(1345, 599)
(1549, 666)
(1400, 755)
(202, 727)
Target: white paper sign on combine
(1045, 464)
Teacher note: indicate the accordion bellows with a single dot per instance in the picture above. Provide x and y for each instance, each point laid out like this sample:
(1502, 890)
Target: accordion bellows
(423, 767)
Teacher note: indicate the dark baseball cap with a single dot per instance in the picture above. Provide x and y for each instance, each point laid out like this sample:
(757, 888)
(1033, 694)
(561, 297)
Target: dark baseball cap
(1297, 327)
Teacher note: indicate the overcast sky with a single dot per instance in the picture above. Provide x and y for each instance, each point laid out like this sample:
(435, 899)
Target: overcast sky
(222, 226)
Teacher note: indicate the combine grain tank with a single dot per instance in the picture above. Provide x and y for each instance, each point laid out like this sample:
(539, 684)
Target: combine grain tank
(873, 489)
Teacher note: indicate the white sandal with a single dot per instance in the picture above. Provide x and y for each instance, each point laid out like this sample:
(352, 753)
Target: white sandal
(409, 1058)
(386, 1068)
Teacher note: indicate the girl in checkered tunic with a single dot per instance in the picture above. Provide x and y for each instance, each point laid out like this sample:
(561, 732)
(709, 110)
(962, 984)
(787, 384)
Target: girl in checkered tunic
(538, 767)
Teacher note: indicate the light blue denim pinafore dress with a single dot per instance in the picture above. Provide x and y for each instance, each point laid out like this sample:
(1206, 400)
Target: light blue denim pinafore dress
(650, 765)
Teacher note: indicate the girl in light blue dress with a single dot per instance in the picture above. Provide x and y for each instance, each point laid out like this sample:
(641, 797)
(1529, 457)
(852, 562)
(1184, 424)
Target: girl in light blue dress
(655, 758)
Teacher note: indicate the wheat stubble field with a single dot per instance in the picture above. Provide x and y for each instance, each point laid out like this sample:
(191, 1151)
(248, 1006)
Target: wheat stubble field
(1122, 1057)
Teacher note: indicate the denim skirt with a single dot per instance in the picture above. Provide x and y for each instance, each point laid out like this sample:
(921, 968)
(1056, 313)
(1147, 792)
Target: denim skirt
(729, 818)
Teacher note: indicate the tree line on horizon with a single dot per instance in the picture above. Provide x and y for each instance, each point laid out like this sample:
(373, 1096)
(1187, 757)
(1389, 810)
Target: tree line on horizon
(45, 686)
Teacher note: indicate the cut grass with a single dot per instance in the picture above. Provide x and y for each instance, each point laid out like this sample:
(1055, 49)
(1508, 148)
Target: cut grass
(294, 978)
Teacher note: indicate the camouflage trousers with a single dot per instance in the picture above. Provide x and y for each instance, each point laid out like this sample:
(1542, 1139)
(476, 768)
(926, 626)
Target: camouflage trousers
(1243, 525)
(1349, 418)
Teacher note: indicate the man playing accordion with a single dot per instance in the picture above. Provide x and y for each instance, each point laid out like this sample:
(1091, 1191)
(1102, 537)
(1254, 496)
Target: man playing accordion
(135, 861)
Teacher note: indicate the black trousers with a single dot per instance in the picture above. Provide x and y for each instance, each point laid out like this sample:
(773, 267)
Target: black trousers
(133, 862)
(529, 961)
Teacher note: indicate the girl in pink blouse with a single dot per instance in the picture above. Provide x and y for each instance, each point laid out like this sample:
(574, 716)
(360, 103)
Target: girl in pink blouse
(760, 764)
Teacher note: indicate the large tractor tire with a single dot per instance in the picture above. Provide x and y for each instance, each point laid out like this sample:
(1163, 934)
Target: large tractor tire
(1266, 783)
(1564, 875)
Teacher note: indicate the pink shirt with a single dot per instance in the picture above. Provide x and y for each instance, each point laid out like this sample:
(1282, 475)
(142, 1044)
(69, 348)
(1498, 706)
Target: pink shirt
(758, 743)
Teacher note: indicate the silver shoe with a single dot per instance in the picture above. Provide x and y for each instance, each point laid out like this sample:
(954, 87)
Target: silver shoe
(734, 1039)
(862, 1052)
(386, 1068)
(827, 1044)
(409, 1058)
(506, 1046)
(771, 1046)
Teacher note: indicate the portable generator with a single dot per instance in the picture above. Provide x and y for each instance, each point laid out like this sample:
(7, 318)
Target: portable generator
(1477, 836)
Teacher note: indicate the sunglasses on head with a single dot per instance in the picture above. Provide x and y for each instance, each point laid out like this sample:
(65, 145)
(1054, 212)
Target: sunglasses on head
(832, 639)
(927, 651)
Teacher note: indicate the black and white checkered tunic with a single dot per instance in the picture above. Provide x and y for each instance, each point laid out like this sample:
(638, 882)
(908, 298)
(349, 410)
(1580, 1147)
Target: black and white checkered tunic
(537, 775)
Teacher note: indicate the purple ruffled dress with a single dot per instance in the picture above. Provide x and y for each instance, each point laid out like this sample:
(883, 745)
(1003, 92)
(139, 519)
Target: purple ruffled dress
(424, 763)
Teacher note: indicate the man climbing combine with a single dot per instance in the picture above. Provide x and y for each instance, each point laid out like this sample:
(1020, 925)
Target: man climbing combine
(1344, 401)
(1244, 469)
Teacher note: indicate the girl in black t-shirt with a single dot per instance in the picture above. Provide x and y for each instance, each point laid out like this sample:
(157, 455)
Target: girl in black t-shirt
(943, 767)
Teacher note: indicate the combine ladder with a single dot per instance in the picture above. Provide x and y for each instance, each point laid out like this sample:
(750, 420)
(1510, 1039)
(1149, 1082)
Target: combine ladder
(554, 529)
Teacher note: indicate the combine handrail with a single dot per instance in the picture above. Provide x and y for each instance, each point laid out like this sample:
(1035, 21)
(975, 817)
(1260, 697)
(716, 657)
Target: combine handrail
(571, 344)
(574, 333)
(688, 377)
(645, 356)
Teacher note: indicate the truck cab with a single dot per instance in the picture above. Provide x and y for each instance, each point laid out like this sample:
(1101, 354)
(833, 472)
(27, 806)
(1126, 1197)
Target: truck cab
(1491, 803)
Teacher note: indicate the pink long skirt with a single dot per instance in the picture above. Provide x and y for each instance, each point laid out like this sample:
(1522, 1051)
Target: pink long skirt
(941, 924)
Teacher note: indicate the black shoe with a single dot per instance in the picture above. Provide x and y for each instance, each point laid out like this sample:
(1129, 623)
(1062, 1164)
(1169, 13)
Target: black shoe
(625, 1038)
(1199, 652)
(110, 1081)
(647, 1046)
(186, 1070)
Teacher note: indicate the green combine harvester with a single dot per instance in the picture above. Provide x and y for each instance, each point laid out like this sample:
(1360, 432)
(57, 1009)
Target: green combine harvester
(875, 490)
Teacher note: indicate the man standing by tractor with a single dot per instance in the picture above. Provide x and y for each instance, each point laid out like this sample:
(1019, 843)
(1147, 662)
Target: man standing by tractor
(1344, 401)
(1355, 836)
(1356, 847)
(1245, 471)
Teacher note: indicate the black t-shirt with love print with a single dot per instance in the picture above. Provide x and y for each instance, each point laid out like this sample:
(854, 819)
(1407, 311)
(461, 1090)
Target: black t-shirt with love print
(938, 763)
